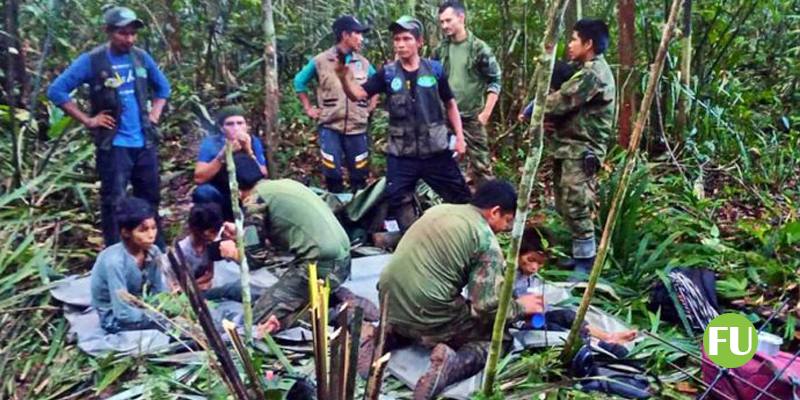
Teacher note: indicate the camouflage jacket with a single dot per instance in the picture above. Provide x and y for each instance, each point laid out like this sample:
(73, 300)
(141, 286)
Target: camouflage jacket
(483, 72)
(585, 105)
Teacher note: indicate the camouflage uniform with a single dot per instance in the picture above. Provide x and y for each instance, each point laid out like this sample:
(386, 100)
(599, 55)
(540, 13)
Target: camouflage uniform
(296, 220)
(451, 247)
(585, 107)
(470, 83)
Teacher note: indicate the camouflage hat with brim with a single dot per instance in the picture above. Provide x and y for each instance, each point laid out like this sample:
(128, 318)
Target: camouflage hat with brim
(119, 17)
(407, 23)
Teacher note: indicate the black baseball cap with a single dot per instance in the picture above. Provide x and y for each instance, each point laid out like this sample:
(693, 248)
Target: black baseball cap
(119, 17)
(348, 23)
(407, 23)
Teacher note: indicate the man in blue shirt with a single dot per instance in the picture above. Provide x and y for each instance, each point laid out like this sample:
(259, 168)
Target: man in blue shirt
(122, 79)
(210, 173)
(342, 122)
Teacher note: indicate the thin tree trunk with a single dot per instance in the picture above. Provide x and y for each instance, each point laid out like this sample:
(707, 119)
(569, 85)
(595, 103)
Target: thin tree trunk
(243, 266)
(686, 68)
(271, 94)
(12, 85)
(173, 34)
(627, 51)
(622, 186)
(544, 70)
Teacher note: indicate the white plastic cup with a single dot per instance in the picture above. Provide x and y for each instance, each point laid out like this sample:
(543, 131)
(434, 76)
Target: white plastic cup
(769, 344)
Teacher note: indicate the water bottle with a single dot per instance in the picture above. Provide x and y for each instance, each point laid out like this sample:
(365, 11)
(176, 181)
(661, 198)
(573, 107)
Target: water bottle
(537, 319)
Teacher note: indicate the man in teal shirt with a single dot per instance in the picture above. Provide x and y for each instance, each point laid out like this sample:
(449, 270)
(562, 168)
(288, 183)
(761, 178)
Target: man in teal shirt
(342, 122)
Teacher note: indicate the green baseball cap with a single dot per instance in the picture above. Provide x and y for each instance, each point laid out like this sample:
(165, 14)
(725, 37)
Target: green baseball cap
(122, 16)
(229, 111)
(407, 23)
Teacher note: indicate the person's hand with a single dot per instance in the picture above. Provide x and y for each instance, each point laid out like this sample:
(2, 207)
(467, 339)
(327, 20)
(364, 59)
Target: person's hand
(174, 288)
(531, 303)
(204, 282)
(271, 325)
(154, 117)
(461, 146)
(228, 249)
(521, 117)
(312, 112)
(229, 230)
(101, 120)
(483, 118)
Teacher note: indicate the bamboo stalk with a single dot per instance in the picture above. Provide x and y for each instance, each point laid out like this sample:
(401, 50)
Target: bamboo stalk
(686, 70)
(622, 187)
(542, 74)
(241, 350)
(244, 268)
(354, 343)
(189, 285)
(376, 377)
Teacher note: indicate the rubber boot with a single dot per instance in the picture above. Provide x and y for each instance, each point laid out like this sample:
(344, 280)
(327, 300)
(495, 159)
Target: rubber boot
(448, 367)
(583, 252)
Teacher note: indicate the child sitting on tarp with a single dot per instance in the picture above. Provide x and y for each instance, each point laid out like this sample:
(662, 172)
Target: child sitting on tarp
(532, 258)
(133, 265)
(201, 249)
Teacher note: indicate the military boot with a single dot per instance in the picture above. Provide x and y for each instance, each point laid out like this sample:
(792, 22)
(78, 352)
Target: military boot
(583, 254)
(448, 367)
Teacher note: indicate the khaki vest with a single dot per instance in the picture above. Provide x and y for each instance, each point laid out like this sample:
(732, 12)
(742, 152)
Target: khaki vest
(337, 111)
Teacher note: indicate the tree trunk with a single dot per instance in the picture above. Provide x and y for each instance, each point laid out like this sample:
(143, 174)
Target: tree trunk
(627, 52)
(14, 72)
(174, 33)
(271, 94)
(544, 70)
(622, 186)
(686, 68)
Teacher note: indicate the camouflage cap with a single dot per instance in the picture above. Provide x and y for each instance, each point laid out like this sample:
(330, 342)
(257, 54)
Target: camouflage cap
(121, 16)
(407, 23)
(229, 111)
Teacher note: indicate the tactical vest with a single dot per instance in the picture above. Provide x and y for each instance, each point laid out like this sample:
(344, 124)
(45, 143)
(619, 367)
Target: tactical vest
(337, 112)
(417, 126)
(103, 97)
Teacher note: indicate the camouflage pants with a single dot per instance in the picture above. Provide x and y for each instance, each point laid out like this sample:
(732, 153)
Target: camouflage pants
(477, 160)
(467, 332)
(575, 196)
(289, 295)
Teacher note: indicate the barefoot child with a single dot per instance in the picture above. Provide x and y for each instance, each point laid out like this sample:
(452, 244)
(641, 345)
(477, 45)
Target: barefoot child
(132, 265)
(532, 258)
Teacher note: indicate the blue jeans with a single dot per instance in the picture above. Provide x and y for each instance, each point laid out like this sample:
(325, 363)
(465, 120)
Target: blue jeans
(209, 193)
(351, 151)
(119, 166)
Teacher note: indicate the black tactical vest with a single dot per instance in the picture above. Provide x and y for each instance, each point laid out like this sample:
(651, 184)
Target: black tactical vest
(417, 126)
(104, 97)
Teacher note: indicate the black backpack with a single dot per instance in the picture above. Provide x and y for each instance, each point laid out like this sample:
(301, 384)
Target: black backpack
(605, 368)
(686, 296)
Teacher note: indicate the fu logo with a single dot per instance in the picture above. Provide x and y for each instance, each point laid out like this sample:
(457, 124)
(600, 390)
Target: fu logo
(730, 340)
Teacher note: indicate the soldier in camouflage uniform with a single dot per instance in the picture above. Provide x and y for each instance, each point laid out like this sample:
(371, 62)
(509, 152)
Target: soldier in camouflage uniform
(475, 78)
(291, 218)
(584, 107)
(451, 247)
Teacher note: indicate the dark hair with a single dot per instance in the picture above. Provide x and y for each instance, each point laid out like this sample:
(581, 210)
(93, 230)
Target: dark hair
(495, 193)
(562, 71)
(455, 5)
(130, 212)
(534, 239)
(593, 29)
(205, 216)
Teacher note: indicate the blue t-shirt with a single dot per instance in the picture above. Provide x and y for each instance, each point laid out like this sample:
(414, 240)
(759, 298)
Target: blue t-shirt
(129, 129)
(212, 145)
